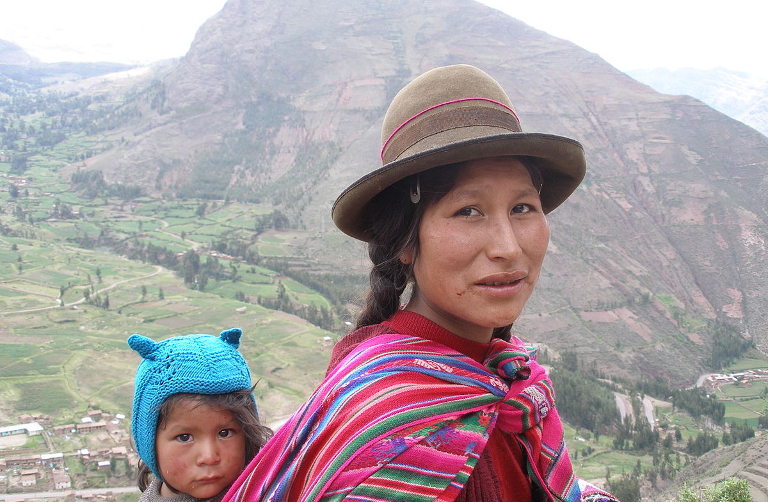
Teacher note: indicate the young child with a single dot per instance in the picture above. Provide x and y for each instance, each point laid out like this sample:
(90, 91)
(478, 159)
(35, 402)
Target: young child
(195, 423)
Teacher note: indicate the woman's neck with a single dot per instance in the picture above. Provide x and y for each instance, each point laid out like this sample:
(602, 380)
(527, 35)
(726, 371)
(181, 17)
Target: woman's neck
(458, 327)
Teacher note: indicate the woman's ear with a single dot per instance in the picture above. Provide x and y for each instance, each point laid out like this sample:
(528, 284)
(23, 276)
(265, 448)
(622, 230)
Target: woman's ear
(406, 257)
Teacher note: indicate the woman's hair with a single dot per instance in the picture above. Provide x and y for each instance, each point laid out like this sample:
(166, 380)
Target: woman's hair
(394, 224)
(239, 403)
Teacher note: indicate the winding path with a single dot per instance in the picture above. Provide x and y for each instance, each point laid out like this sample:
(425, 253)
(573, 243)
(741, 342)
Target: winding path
(158, 269)
(624, 406)
(61, 494)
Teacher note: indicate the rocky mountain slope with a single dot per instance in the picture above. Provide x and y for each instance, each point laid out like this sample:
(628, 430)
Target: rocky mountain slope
(738, 95)
(662, 247)
(747, 460)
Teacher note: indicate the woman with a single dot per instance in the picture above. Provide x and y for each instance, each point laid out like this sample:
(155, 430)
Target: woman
(436, 400)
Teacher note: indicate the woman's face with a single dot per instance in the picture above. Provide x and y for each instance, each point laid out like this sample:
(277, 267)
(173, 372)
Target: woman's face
(481, 247)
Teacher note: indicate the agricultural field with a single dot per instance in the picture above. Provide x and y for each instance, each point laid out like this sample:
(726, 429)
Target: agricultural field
(66, 308)
(80, 271)
(60, 353)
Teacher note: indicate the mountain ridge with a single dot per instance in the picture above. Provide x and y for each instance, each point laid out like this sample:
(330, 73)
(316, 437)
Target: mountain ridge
(663, 245)
(16, 65)
(737, 94)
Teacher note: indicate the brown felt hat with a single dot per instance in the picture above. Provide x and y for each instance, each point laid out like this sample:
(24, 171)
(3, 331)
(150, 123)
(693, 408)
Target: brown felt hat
(456, 114)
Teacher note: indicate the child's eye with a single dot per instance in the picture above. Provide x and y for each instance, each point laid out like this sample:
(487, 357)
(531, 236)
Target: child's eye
(184, 438)
(522, 208)
(225, 433)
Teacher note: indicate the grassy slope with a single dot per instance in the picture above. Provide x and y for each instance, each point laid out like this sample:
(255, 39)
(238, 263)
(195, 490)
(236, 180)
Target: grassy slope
(57, 359)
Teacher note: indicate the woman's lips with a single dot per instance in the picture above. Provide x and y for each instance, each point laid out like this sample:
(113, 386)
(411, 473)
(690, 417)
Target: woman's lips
(501, 279)
(503, 284)
(499, 283)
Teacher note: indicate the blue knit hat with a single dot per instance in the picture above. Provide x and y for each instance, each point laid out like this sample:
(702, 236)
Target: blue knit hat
(193, 364)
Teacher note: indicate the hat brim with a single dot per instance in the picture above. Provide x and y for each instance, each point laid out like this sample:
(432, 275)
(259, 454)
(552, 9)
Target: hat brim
(560, 159)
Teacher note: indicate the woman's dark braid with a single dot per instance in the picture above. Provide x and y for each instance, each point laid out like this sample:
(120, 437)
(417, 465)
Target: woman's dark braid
(388, 279)
(395, 230)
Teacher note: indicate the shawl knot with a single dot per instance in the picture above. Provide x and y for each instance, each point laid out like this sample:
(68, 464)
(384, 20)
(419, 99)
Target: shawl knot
(529, 396)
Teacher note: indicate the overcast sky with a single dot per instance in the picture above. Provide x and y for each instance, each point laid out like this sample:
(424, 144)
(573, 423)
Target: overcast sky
(655, 33)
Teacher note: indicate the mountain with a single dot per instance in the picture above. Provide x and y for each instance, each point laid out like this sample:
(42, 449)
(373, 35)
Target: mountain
(12, 54)
(18, 67)
(736, 94)
(658, 263)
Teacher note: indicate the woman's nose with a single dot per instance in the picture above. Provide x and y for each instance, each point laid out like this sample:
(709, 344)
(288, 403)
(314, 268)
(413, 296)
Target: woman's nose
(502, 240)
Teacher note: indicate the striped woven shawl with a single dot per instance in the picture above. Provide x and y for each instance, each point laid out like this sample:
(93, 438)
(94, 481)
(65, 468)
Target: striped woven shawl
(404, 418)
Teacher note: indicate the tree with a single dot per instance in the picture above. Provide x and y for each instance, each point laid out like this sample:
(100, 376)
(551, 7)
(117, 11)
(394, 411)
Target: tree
(626, 488)
(570, 361)
(190, 267)
(283, 302)
(18, 164)
(202, 282)
(729, 490)
(702, 443)
(738, 433)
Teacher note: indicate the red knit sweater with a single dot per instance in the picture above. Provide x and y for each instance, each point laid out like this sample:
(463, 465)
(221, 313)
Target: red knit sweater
(500, 474)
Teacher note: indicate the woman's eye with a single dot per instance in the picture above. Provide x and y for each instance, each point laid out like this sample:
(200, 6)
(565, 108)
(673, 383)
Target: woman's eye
(225, 433)
(184, 438)
(467, 211)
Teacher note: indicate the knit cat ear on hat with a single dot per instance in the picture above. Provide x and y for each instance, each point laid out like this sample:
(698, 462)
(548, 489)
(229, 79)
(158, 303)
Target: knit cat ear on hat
(231, 336)
(189, 364)
(143, 345)
(146, 347)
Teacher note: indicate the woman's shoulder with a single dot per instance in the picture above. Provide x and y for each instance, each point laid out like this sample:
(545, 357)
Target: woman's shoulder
(351, 341)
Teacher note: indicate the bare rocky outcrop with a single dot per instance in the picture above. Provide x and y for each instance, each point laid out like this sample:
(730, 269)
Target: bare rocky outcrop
(748, 460)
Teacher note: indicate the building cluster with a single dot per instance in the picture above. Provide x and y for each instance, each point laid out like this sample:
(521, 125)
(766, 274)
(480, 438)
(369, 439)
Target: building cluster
(17, 181)
(747, 377)
(101, 439)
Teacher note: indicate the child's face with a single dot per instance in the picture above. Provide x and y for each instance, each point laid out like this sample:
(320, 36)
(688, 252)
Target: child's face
(200, 450)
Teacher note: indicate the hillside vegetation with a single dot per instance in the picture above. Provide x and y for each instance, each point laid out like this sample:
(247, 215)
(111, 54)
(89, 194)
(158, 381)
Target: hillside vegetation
(84, 264)
(660, 251)
(196, 198)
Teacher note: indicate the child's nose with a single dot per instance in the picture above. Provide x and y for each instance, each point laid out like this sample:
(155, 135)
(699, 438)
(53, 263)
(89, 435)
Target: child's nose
(208, 454)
